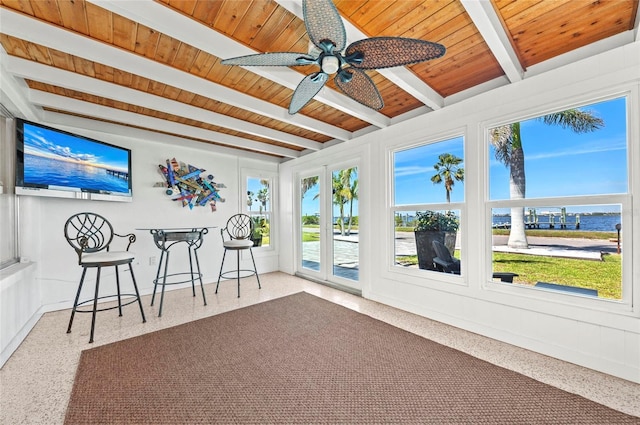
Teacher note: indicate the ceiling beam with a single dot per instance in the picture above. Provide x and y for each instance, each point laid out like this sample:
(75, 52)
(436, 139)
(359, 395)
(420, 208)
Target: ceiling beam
(15, 91)
(35, 31)
(400, 76)
(489, 24)
(54, 101)
(67, 79)
(166, 21)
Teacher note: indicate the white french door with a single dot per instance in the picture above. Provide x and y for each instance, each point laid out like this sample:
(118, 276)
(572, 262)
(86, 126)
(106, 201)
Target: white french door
(328, 224)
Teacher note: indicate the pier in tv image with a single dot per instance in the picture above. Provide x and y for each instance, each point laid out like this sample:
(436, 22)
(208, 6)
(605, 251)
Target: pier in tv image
(54, 159)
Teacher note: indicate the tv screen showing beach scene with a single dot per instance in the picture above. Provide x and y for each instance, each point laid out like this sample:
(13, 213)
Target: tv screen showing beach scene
(52, 162)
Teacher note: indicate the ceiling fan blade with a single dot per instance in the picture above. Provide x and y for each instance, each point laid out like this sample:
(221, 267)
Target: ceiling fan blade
(323, 23)
(357, 85)
(272, 59)
(386, 52)
(306, 90)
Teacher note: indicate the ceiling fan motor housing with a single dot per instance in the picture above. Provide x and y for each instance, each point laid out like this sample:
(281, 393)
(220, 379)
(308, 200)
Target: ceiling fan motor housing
(330, 64)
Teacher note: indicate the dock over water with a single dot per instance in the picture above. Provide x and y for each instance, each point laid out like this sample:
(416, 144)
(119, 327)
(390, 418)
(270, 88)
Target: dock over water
(549, 220)
(120, 174)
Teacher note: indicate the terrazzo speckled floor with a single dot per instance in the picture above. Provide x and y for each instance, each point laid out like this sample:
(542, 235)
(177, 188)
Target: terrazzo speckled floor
(36, 381)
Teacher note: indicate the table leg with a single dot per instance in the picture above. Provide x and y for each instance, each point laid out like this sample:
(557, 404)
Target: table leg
(155, 282)
(204, 298)
(164, 283)
(193, 285)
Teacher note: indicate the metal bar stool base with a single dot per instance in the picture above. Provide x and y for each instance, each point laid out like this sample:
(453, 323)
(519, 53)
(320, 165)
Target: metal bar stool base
(236, 274)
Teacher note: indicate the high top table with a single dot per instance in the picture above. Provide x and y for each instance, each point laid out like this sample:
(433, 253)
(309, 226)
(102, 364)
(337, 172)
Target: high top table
(165, 239)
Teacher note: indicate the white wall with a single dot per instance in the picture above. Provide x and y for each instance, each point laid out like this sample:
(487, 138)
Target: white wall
(20, 306)
(50, 278)
(599, 335)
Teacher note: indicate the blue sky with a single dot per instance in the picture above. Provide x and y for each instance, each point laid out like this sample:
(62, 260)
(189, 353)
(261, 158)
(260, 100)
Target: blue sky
(254, 185)
(311, 206)
(61, 146)
(414, 169)
(558, 162)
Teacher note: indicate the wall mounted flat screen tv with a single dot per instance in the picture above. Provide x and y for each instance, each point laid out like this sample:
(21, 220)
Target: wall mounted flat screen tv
(51, 162)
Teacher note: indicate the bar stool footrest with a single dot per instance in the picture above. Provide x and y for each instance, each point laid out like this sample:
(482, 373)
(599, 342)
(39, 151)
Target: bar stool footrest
(193, 277)
(115, 299)
(235, 274)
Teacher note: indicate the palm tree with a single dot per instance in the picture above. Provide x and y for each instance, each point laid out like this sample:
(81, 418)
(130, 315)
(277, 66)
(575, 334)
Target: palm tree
(353, 197)
(448, 170)
(348, 191)
(263, 195)
(345, 190)
(250, 199)
(340, 196)
(307, 184)
(507, 142)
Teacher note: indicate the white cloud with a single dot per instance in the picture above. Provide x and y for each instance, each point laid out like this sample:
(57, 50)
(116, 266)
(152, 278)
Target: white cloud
(411, 170)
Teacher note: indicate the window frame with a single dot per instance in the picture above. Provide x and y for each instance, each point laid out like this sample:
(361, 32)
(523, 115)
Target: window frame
(272, 177)
(421, 275)
(625, 304)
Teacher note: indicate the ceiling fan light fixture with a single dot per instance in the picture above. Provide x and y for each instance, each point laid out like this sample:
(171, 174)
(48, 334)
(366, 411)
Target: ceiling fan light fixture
(330, 64)
(328, 38)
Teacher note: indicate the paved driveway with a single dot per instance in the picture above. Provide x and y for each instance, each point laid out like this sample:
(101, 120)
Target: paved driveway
(346, 248)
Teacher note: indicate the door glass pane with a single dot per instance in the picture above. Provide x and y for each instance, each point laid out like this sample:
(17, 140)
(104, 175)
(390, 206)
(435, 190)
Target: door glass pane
(345, 223)
(310, 221)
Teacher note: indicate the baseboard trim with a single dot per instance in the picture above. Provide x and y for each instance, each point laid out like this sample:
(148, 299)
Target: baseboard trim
(17, 339)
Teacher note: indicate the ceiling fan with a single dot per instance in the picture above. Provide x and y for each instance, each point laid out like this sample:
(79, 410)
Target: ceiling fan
(326, 31)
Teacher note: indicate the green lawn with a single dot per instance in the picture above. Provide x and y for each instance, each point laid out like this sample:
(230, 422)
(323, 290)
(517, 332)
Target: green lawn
(550, 233)
(605, 276)
(310, 236)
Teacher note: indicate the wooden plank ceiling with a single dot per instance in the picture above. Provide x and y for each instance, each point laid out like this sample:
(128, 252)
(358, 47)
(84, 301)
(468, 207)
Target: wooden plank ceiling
(155, 65)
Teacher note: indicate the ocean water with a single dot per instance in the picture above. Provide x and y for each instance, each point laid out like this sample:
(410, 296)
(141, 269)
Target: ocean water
(603, 223)
(41, 170)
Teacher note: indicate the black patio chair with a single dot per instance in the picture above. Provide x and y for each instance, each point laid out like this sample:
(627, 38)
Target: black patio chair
(443, 260)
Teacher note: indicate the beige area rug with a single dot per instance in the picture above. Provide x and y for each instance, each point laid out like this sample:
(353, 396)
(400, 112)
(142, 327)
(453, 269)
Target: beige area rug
(304, 360)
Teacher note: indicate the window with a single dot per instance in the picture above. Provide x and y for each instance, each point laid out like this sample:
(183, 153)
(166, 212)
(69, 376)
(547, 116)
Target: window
(258, 206)
(8, 201)
(428, 200)
(558, 189)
